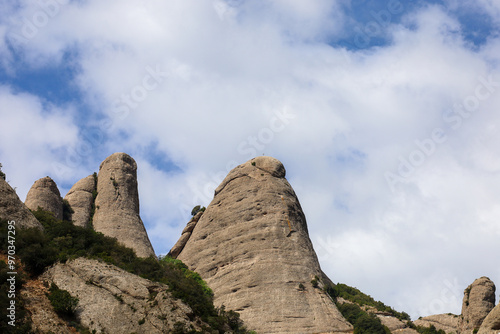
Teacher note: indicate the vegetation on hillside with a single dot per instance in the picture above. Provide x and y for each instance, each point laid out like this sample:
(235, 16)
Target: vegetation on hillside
(63, 241)
(356, 296)
(2, 174)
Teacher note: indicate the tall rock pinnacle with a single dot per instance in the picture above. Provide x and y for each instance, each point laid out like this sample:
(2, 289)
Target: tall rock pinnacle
(117, 204)
(479, 300)
(80, 198)
(252, 247)
(45, 194)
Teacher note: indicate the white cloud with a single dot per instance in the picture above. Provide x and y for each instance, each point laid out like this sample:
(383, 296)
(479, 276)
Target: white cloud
(211, 84)
(32, 133)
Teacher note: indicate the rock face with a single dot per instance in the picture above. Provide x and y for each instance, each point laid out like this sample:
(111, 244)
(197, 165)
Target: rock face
(185, 235)
(491, 324)
(12, 208)
(252, 247)
(112, 300)
(479, 300)
(80, 198)
(45, 194)
(446, 322)
(117, 204)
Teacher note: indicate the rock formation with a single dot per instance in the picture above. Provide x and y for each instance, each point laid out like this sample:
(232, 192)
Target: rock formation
(185, 235)
(479, 300)
(252, 247)
(117, 204)
(445, 322)
(12, 208)
(112, 300)
(491, 324)
(80, 198)
(45, 194)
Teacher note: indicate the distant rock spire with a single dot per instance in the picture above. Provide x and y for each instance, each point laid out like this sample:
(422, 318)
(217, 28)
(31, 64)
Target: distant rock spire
(252, 247)
(45, 194)
(117, 204)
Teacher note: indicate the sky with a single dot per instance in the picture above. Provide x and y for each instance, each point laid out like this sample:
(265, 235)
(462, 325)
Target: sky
(384, 114)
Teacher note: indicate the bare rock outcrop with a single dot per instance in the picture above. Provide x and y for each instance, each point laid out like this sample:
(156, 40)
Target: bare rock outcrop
(479, 300)
(185, 235)
(45, 194)
(80, 198)
(117, 204)
(252, 247)
(491, 324)
(13, 209)
(112, 300)
(446, 322)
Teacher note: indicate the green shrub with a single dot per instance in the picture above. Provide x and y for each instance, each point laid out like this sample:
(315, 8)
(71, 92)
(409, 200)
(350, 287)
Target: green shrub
(356, 296)
(61, 300)
(2, 174)
(429, 330)
(362, 321)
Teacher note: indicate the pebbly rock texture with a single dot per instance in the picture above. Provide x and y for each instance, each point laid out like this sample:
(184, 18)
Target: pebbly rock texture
(117, 204)
(446, 322)
(13, 209)
(80, 198)
(479, 300)
(112, 300)
(185, 235)
(491, 324)
(252, 247)
(45, 194)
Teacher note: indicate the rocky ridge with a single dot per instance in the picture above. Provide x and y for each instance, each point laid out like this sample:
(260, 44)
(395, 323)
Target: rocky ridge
(45, 194)
(112, 300)
(12, 208)
(252, 247)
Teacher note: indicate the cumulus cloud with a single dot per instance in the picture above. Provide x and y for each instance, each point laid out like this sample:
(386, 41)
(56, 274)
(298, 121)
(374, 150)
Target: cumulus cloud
(390, 149)
(33, 134)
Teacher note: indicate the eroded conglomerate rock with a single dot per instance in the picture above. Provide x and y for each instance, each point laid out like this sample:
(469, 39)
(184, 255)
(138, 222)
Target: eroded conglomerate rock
(45, 194)
(252, 247)
(112, 300)
(185, 235)
(117, 204)
(491, 324)
(13, 209)
(479, 300)
(446, 322)
(80, 198)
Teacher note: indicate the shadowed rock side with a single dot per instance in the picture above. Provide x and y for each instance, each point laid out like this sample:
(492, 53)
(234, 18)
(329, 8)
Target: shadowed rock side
(252, 247)
(491, 324)
(117, 204)
(479, 300)
(12, 208)
(45, 194)
(80, 199)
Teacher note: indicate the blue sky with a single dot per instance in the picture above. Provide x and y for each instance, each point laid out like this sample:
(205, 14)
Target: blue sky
(384, 114)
